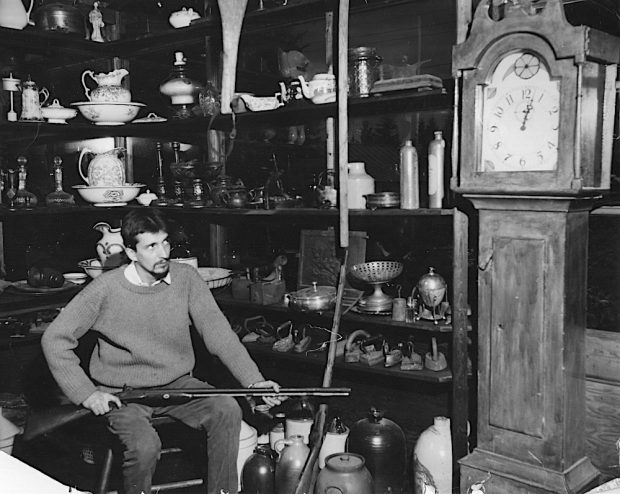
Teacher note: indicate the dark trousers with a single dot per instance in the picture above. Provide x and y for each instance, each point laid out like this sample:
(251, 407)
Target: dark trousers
(219, 417)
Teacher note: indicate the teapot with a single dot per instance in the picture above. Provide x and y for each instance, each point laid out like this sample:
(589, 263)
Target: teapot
(321, 89)
(235, 198)
(31, 101)
(105, 169)
(14, 15)
(109, 89)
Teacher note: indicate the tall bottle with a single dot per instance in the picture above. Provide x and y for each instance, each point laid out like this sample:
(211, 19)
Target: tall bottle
(24, 199)
(435, 170)
(59, 197)
(409, 177)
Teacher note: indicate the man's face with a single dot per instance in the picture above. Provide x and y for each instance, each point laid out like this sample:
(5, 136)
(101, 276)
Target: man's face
(151, 256)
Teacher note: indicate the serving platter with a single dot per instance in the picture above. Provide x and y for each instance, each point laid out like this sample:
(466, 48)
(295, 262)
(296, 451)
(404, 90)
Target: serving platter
(23, 286)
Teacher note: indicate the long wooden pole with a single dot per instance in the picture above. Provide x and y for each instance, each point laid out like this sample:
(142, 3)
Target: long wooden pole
(310, 473)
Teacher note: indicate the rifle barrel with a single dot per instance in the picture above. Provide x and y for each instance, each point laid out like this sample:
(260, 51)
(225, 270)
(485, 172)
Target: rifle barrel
(205, 392)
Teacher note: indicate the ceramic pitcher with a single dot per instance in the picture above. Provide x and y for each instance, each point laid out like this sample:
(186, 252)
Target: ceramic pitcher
(13, 14)
(109, 89)
(105, 169)
(110, 247)
(32, 99)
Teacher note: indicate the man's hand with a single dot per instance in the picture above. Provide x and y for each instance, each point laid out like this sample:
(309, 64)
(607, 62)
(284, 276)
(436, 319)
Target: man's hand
(272, 401)
(99, 402)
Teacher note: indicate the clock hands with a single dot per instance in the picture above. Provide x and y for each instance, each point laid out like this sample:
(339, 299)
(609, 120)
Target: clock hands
(526, 113)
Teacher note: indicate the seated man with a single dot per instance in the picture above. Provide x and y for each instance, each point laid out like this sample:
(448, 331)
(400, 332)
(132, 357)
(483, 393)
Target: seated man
(142, 313)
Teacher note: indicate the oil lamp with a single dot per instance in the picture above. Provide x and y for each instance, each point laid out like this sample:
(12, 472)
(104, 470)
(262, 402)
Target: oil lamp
(180, 88)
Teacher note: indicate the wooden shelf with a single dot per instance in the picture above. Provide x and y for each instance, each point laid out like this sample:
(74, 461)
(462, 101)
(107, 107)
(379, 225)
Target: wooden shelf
(225, 300)
(193, 129)
(222, 213)
(318, 359)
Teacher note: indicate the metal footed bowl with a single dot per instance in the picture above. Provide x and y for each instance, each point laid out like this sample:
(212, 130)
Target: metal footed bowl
(377, 271)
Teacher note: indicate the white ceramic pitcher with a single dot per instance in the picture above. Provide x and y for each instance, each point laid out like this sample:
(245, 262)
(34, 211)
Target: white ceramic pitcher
(109, 89)
(14, 15)
(105, 169)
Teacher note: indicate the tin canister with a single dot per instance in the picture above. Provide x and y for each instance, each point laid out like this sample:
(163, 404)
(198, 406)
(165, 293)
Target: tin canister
(363, 70)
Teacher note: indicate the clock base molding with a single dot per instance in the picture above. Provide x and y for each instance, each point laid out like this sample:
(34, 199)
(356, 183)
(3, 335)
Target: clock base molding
(503, 475)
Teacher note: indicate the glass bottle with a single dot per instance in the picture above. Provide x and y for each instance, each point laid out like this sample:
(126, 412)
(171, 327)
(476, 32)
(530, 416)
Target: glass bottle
(59, 198)
(24, 199)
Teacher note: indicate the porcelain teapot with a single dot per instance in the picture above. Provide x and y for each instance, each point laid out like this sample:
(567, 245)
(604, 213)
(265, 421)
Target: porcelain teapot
(105, 169)
(321, 89)
(14, 15)
(109, 89)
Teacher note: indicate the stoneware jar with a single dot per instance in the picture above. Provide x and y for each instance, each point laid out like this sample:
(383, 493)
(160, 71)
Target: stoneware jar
(344, 473)
(382, 443)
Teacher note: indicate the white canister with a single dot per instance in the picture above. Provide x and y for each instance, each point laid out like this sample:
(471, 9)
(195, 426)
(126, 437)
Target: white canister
(433, 456)
(334, 442)
(359, 184)
(299, 427)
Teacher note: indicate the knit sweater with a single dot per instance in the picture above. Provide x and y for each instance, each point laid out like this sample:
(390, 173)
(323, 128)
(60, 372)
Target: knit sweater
(144, 338)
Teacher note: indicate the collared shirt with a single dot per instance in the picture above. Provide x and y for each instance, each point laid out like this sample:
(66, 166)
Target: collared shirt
(131, 273)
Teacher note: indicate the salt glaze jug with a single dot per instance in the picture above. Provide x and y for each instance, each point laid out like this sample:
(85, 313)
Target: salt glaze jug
(105, 169)
(293, 455)
(14, 15)
(109, 89)
(110, 247)
(432, 459)
(344, 473)
(382, 443)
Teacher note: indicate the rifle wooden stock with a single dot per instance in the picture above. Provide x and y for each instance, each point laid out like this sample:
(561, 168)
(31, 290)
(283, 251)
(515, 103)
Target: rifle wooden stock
(44, 421)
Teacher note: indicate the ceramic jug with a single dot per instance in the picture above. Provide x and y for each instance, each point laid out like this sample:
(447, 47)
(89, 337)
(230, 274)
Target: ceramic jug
(382, 443)
(110, 247)
(109, 89)
(344, 473)
(258, 473)
(105, 169)
(293, 455)
(335, 440)
(360, 184)
(14, 15)
(32, 99)
(432, 459)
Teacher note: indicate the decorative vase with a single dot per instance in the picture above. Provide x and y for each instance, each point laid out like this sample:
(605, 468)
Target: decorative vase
(382, 443)
(258, 474)
(293, 455)
(344, 473)
(432, 459)
(360, 184)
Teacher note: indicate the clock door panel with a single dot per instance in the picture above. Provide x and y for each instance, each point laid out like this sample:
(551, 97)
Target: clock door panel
(517, 314)
(530, 331)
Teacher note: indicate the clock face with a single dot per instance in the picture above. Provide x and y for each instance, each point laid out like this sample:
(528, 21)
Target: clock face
(520, 116)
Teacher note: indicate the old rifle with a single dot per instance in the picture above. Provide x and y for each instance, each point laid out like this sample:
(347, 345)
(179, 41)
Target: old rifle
(43, 421)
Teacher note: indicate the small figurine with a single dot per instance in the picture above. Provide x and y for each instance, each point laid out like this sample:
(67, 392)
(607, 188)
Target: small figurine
(96, 19)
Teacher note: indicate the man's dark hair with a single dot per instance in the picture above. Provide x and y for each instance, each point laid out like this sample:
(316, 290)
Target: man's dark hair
(139, 221)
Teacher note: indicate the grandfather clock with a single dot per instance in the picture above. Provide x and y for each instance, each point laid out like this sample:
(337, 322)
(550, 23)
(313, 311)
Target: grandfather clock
(538, 98)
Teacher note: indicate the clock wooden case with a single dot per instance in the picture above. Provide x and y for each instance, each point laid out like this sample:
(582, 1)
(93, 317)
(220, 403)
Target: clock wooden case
(538, 98)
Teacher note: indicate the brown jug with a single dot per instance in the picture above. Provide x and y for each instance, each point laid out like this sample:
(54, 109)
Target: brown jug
(382, 443)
